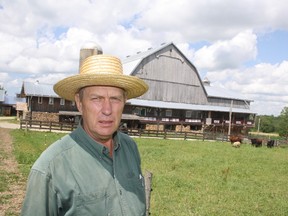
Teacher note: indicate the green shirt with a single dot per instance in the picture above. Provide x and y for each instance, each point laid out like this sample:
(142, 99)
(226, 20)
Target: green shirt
(76, 176)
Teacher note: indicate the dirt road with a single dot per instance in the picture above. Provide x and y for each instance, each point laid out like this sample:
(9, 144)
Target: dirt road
(11, 197)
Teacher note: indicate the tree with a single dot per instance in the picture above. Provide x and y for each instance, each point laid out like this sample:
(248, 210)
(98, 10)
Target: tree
(283, 123)
(267, 125)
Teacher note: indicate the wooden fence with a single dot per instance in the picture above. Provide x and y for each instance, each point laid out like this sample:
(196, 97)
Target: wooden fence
(47, 125)
(162, 134)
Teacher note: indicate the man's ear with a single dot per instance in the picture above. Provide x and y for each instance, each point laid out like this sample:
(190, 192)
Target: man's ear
(78, 102)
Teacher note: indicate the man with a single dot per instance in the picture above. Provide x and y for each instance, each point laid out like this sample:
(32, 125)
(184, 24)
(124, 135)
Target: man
(95, 170)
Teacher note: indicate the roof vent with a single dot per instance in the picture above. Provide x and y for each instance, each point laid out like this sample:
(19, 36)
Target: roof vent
(206, 81)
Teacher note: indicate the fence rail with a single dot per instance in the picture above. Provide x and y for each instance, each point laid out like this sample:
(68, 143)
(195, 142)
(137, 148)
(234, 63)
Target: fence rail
(47, 125)
(164, 134)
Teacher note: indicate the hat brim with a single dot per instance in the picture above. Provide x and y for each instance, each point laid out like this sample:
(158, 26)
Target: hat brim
(68, 87)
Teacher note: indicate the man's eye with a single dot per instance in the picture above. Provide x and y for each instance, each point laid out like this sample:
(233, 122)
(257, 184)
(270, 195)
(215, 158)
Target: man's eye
(96, 98)
(115, 99)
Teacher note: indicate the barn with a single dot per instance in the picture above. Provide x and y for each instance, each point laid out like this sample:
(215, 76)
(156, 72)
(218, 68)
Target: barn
(8, 104)
(177, 98)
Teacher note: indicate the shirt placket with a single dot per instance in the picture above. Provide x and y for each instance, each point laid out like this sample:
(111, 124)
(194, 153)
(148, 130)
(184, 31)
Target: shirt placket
(119, 188)
(117, 185)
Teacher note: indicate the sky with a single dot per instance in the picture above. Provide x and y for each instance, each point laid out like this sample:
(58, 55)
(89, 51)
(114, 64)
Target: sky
(241, 46)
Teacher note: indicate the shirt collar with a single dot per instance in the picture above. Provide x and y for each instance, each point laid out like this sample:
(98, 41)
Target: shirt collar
(90, 145)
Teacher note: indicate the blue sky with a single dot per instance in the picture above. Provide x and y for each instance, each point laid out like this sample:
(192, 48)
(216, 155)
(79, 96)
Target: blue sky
(240, 46)
(273, 47)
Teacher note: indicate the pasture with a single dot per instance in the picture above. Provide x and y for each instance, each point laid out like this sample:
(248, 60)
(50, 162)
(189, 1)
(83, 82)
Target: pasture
(196, 177)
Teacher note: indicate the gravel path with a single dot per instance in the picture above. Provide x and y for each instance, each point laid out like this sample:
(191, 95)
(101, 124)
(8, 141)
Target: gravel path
(11, 198)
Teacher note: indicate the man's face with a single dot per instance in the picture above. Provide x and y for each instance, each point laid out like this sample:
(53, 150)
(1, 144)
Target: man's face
(101, 108)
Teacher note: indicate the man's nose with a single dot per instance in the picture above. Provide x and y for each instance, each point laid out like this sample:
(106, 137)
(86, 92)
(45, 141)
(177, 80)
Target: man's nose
(106, 107)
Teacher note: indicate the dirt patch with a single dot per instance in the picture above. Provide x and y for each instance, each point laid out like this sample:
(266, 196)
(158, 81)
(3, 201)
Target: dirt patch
(12, 197)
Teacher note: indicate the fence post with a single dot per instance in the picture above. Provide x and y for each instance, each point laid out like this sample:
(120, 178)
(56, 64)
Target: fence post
(148, 189)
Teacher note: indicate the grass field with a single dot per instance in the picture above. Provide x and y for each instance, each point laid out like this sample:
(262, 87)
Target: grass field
(196, 177)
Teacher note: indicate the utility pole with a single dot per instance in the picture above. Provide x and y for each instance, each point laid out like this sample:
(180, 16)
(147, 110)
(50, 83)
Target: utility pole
(230, 119)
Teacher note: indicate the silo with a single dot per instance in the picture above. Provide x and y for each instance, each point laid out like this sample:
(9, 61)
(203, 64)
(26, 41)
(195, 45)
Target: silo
(89, 49)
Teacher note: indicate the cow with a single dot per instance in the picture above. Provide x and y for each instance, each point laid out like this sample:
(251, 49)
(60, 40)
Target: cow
(270, 143)
(256, 142)
(236, 144)
(235, 139)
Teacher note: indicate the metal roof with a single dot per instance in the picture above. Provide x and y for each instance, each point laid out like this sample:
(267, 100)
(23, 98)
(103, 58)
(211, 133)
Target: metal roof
(131, 62)
(219, 92)
(12, 100)
(172, 105)
(38, 89)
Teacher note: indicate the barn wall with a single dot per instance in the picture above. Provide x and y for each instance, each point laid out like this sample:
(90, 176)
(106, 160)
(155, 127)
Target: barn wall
(53, 108)
(171, 78)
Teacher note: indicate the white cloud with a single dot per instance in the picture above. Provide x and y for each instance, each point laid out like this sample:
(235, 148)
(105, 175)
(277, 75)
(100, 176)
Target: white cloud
(227, 54)
(41, 39)
(266, 84)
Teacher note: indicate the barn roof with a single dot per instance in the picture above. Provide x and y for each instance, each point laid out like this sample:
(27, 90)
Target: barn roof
(38, 89)
(131, 62)
(219, 92)
(171, 105)
(11, 100)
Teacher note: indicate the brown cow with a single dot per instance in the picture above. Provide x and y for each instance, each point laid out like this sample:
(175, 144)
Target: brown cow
(235, 139)
(256, 142)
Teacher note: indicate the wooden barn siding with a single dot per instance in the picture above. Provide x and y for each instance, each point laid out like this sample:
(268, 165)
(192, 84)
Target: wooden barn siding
(55, 108)
(171, 92)
(171, 80)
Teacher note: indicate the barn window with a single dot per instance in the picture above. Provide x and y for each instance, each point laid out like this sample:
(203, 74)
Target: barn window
(188, 114)
(155, 112)
(51, 100)
(40, 100)
(143, 112)
(140, 111)
(73, 103)
(137, 111)
(169, 113)
(62, 101)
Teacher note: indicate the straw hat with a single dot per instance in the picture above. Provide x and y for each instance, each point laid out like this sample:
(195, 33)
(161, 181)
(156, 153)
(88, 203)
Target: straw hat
(104, 70)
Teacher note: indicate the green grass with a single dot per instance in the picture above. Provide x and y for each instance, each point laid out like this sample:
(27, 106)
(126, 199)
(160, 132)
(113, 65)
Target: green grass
(29, 145)
(212, 178)
(197, 177)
